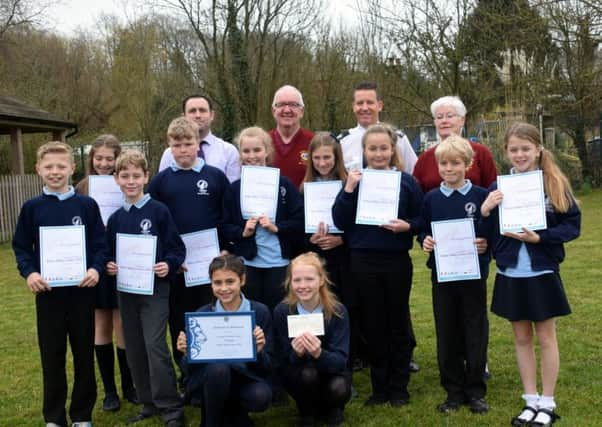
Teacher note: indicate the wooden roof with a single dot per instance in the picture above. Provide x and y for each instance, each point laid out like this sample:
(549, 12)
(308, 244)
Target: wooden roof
(30, 119)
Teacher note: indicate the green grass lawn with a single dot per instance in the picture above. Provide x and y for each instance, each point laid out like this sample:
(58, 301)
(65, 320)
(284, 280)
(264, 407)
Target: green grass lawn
(580, 338)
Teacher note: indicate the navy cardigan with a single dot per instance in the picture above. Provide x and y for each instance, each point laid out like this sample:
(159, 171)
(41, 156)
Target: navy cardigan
(335, 342)
(289, 220)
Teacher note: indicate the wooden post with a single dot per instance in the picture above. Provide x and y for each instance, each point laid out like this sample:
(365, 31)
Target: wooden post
(59, 135)
(16, 143)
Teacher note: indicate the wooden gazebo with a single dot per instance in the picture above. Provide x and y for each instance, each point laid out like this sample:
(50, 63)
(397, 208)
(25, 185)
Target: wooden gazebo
(18, 118)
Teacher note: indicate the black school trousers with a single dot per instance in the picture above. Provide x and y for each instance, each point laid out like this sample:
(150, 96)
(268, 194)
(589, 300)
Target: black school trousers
(460, 310)
(67, 313)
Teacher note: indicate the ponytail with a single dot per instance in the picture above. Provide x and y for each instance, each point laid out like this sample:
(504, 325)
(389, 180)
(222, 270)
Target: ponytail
(556, 184)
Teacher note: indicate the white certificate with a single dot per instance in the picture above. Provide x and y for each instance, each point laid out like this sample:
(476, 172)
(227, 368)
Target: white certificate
(378, 200)
(107, 194)
(201, 248)
(220, 337)
(136, 254)
(299, 323)
(63, 255)
(259, 191)
(523, 204)
(319, 197)
(455, 250)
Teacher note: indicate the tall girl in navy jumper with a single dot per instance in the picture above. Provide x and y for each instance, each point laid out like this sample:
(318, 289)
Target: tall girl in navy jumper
(230, 391)
(265, 245)
(101, 161)
(314, 368)
(382, 267)
(528, 290)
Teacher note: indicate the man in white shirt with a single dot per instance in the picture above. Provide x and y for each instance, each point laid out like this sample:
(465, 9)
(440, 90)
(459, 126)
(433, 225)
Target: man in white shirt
(367, 106)
(214, 150)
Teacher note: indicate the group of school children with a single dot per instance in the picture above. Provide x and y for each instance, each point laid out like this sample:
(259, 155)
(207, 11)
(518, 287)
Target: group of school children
(360, 277)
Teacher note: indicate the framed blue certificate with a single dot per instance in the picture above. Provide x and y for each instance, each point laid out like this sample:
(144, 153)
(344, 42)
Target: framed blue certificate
(225, 337)
(378, 200)
(259, 186)
(135, 258)
(319, 197)
(63, 255)
(201, 248)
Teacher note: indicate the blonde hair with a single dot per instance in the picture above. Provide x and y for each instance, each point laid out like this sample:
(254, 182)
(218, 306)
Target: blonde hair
(383, 128)
(256, 132)
(452, 147)
(325, 139)
(329, 301)
(54, 147)
(131, 157)
(556, 185)
(105, 140)
(181, 127)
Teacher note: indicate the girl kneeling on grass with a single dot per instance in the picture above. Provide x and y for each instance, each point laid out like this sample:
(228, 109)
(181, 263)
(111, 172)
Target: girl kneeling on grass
(314, 368)
(528, 290)
(230, 391)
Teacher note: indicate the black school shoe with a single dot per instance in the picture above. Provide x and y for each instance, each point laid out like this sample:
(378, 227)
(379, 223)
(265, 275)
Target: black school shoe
(478, 406)
(111, 403)
(448, 406)
(376, 400)
(549, 412)
(518, 422)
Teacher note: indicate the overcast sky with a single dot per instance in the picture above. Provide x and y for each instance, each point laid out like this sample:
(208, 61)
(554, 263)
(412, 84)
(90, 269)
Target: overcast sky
(70, 15)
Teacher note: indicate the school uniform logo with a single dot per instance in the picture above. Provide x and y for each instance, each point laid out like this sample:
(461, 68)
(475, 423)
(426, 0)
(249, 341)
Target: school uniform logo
(303, 157)
(145, 226)
(77, 220)
(470, 208)
(202, 186)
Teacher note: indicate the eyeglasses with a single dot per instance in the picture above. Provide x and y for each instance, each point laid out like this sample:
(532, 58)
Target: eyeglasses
(446, 116)
(287, 104)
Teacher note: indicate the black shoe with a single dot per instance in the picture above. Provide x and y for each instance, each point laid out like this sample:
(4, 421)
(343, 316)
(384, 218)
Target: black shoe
(177, 422)
(518, 422)
(357, 364)
(376, 400)
(478, 406)
(550, 413)
(141, 416)
(111, 403)
(448, 406)
(131, 396)
(413, 367)
(335, 417)
(398, 402)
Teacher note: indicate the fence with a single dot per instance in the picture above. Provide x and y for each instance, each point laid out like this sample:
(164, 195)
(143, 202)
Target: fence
(14, 190)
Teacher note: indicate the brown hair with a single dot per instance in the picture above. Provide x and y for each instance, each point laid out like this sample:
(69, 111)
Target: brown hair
(228, 262)
(328, 299)
(105, 140)
(131, 157)
(181, 127)
(54, 147)
(256, 132)
(390, 132)
(556, 185)
(324, 139)
(454, 146)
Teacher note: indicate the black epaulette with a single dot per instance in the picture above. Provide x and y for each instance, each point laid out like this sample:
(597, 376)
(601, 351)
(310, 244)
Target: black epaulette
(342, 135)
(399, 133)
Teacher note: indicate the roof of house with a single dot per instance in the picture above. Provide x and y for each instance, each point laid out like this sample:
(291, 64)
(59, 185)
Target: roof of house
(30, 119)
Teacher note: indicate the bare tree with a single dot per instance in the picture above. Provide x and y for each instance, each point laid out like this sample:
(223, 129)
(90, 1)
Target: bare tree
(18, 13)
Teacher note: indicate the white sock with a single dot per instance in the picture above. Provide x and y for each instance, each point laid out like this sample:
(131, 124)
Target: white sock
(531, 400)
(547, 402)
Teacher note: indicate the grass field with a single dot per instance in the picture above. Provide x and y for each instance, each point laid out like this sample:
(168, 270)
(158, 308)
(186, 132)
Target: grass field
(579, 390)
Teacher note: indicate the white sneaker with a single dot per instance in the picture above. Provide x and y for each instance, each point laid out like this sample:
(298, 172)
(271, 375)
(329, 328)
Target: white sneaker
(52, 425)
(82, 424)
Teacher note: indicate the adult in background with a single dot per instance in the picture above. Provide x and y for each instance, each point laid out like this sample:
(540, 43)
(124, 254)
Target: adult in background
(367, 105)
(215, 151)
(289, 139)
(449, 115)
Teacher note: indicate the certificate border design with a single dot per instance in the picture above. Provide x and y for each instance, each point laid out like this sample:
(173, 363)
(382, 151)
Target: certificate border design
(276, 189)
(358, 220)
(63, 283)
(308, 229)
(91, 180)
(207, 280)
(541, 226)
(152, 273)
(250, 314)
(476, 254)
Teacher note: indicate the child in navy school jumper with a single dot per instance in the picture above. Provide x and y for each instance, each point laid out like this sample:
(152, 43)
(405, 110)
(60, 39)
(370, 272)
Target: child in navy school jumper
(101, 161)
(459, 307)
(265, 245)
(230, 391)
(314, 368)
(145, 316)
(193, 192)
(382, 267)
(528, 290)
(62, 312)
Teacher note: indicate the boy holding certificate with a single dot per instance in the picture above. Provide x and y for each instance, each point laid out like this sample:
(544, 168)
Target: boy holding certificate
(459, 296)
(144, 299)
(63, 311)
(193, 192)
